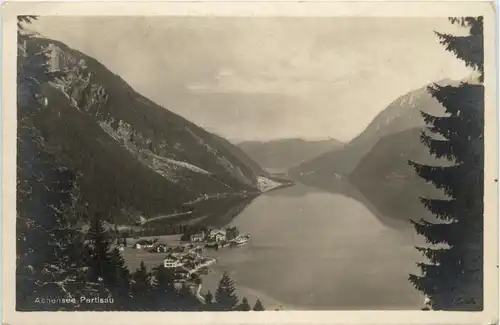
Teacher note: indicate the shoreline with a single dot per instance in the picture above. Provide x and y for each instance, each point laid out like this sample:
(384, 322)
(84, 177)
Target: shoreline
(210, 283)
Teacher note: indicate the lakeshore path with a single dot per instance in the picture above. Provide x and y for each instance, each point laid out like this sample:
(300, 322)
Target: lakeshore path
(198, 294)
(198, 290)
(210, 261)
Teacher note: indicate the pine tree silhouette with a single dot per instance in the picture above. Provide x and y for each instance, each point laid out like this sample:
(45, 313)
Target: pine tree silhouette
(468, 48)
(225, 297)
(209, 301)
(98, 258)
(119, 281)
(453, 277)
(142, 289)
(244, 305)
(187, 300)
(99, 246)
(164, 291)
(258, 306)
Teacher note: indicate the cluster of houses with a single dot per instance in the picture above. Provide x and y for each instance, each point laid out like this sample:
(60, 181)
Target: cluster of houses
(187, 265)
(171, 262)
(190, 260)
(219, 237)
(214, 238)
(144, 243)
(155, 247)
(185, 259)
(216, 235)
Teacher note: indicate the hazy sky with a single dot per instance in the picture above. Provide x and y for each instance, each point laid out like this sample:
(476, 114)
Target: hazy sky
(267, 78)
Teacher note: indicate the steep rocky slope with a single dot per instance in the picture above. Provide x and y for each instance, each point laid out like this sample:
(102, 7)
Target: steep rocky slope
(135, 156)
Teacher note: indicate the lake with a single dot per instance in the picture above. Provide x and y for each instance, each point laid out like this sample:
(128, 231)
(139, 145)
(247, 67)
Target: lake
(312, 249)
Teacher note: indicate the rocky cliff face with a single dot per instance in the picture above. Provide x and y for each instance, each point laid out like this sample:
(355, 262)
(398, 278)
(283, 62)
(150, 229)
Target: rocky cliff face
(131, 151)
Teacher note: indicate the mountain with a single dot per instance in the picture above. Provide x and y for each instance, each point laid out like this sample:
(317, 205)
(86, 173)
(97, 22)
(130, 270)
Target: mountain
(284, 154)
(241, 155)
(402, 114)
(385, 179)
(135, 157)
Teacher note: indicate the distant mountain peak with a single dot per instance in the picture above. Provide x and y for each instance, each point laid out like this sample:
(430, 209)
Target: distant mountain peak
(282, 154)
(401, 114)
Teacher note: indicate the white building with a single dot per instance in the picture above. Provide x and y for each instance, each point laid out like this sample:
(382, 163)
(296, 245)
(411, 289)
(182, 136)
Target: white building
(171, 262)
(217, 235)
(198, 237)
(214, 232)
(143, 244)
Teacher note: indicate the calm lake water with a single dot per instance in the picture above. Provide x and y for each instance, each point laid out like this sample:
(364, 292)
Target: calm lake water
(319, 250)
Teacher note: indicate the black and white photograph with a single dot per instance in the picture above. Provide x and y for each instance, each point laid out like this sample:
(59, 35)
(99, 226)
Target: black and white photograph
(250, 163)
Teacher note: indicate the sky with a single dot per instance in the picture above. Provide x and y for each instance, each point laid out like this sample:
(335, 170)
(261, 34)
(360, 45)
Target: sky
(265, 78)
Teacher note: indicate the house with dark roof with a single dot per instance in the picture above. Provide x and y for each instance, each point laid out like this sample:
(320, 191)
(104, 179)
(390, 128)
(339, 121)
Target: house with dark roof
(172, 262)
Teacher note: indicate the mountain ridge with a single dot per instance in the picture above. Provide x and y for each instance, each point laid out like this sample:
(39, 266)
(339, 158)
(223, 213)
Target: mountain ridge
(401, 114)
(283, 154)
(131, 150)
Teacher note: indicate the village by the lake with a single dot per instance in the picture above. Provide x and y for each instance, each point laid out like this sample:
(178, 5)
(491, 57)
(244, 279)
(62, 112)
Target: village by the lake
(186, 256)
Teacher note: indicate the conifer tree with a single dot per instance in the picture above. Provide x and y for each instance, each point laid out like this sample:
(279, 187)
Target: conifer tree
(99, 247)
(164, 289)
(187, 300)
(119, 280)
(244, 305)
(116, 234)
(67, 244)
(209, 301)
(225, 297)
(258, 306)
(142, 289)
(453, 277)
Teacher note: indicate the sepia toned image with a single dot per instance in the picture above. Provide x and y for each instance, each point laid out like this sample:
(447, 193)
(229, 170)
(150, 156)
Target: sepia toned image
(228, 163)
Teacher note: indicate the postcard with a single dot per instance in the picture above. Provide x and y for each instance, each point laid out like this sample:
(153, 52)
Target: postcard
(250, 162)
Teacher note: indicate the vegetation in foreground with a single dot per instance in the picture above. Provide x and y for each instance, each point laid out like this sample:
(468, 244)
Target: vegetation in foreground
(452, 279)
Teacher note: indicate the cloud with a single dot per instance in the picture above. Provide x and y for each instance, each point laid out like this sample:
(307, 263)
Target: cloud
(301, 74)
(306, 77)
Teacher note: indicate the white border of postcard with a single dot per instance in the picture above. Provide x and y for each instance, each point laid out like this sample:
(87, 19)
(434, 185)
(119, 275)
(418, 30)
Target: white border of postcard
(239, 8)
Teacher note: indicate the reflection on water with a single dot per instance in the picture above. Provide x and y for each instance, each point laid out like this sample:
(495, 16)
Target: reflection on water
(320, 250)
(394, 202)
(343, 187)
(212, 212)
